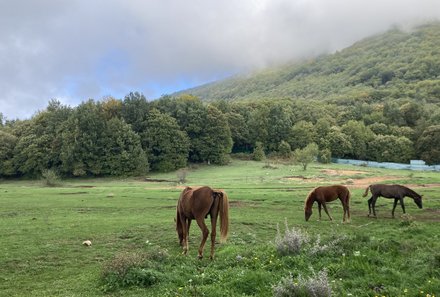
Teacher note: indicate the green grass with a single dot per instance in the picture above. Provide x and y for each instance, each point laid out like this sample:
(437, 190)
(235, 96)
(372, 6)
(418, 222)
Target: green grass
(42, 230)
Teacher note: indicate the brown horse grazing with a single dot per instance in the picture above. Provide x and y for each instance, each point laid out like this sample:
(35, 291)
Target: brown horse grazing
(325, 194)
(390, 191)
(197, 204)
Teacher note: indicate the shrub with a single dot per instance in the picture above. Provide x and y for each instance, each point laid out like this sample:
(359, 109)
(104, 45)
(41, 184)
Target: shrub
(134, 269)
(181, 175)
(318, 247)
(325, 156)
(50, 177)
(317, 286)
(258, 154)
(291, 242)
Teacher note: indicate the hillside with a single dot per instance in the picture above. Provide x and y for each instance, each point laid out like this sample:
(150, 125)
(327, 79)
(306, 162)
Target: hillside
(396, 64)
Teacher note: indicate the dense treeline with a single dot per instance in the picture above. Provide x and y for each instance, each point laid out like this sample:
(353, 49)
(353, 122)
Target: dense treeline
(132, 136)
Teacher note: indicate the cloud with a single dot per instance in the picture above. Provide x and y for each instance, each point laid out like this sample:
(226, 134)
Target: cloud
(75, 50)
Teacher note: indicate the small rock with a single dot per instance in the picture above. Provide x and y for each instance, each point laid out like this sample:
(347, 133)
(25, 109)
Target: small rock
(87, 243)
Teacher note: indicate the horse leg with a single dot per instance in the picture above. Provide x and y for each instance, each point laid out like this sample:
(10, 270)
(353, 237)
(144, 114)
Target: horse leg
(373, 205)
(369, 205)
(346, 210)
(205, 232)
(319, 209)
(326, 211)
(184, 234)
(403, 205)
(394, 206)
(187, 233)
(213, 234)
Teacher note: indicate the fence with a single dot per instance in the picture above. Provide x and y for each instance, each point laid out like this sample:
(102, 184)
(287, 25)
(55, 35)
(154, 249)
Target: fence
(414, 165)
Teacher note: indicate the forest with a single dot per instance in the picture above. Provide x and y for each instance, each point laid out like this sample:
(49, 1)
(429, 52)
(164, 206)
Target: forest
(376, 100)
(133, 136)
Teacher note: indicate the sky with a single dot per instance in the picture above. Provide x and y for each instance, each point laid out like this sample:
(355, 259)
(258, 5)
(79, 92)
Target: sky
(75, 50)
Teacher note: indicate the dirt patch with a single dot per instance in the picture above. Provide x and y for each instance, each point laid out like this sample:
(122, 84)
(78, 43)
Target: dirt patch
(342, 172)
(364, 182)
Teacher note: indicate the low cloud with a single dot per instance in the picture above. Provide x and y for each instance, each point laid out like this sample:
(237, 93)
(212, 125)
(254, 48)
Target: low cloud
(76, 50)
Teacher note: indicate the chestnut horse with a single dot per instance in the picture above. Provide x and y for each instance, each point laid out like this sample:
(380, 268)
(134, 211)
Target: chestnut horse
(197, 204)
(390, 191)
(325, 194)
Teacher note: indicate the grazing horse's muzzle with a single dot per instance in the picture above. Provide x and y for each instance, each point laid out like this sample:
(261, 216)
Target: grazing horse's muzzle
(307, 215)
(418, 202)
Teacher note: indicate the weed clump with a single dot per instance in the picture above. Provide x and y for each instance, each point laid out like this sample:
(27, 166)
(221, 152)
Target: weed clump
(316, 285)
(318, 247)
(291, 242)
(132, 269)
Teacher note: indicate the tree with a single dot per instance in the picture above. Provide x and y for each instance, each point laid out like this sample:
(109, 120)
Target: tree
(390, 148)
(215, 142)
(239, 132)
(258, 154)
(134, 110)
(258, 125)
(122, 151)
(92, 145)
(7, 145)
(306, 155)
(302, 134)
(278, 125)
(167, 146)
(284, 149)
(359, 136)
(428, 145)
(39, 143)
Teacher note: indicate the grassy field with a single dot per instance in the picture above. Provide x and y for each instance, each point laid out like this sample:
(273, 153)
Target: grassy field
(135, 251)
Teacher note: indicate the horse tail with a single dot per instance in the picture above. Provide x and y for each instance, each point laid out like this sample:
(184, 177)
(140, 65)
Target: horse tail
(366, 191)
(224, 217)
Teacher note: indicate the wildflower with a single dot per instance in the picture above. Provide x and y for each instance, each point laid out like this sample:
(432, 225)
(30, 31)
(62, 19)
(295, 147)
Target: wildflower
(356, 253)
(405, 291)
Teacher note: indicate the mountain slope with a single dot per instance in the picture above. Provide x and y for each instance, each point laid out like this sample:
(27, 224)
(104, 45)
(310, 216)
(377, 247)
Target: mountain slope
(394, 64)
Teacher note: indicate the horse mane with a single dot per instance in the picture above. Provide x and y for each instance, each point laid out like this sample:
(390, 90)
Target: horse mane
(309, 199)
(413, 193)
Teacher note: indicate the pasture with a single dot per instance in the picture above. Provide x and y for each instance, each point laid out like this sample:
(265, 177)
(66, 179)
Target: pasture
(130, 223)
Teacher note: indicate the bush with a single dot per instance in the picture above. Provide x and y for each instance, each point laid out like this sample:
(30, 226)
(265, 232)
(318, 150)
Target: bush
(181, 175)
(325, 156)
(317, 285)
(50, 177)
(291, 242)
(318, 247)
(134, 269)
(258, 154)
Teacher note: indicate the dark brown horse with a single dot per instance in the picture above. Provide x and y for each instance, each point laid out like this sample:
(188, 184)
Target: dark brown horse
(325, 194)
(390, 191)
(197, 204)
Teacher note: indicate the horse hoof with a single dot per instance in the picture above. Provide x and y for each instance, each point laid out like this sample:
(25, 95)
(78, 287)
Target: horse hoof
(200, 257)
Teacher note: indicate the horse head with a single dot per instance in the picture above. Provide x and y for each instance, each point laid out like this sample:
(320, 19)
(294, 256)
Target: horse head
(307, 213)
(418, 201)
